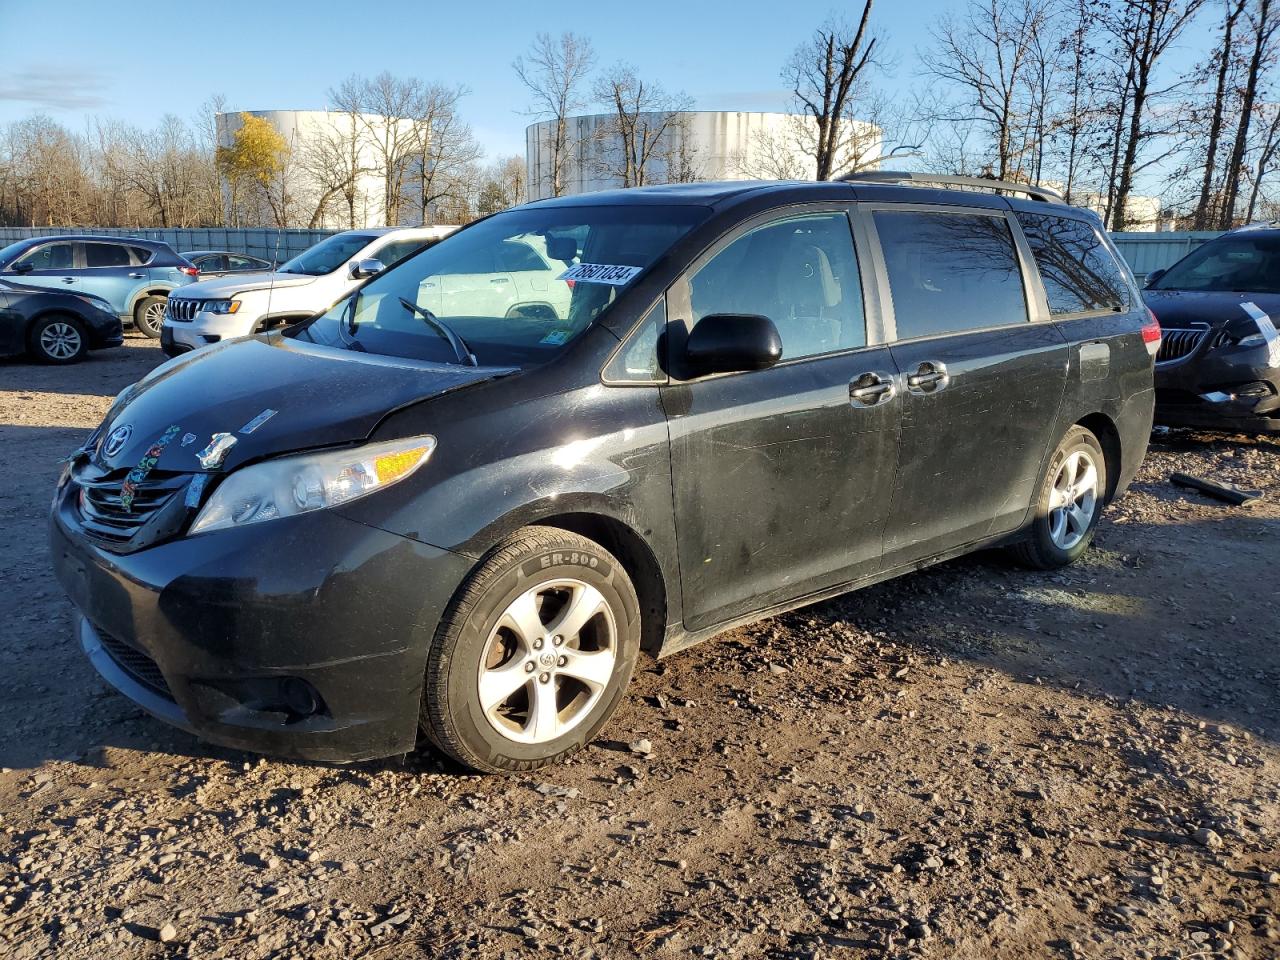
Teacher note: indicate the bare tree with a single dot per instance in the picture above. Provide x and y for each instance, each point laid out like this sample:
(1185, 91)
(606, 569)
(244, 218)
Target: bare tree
(1262, 25)
(385, 106)
(555, 72)
(444, 152)
(1266, 154)
(642, 121)
(825, 75)
(1143, 31)
(996, 57)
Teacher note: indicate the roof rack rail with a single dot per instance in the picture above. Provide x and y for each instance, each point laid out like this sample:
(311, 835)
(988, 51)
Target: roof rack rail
(1044, 194)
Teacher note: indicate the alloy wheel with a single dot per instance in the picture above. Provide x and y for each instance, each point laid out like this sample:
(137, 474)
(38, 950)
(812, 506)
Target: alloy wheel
(60, 340)
(547, 661)
(153, 315)
(1073, 500)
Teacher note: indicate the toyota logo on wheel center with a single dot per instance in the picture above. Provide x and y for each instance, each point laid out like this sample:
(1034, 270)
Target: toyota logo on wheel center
(547, 659)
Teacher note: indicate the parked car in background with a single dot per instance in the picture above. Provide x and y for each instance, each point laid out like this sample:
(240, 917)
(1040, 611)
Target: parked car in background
(755, 396)
(134, 276)
(212, 263)
(514, 278)
(55, 326)
(1219, 364)
(245, 303)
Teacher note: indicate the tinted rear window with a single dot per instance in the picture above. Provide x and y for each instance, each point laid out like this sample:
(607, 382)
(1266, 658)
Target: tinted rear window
(950, 271)
(105, 255)
(1080, 274)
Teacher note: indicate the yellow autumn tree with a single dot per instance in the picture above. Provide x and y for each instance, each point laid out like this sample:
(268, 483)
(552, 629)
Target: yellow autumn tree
(255, 162)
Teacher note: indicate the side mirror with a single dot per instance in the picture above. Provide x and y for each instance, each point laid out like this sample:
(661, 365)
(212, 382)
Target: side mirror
(1153, 276)
(22, 268)
(365, 268)
(732, 343)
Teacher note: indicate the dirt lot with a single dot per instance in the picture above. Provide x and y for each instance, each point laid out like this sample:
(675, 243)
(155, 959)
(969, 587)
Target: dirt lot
(971, 762)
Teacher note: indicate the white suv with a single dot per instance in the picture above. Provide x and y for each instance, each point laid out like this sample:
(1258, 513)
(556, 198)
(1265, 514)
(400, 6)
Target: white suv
(246, 303)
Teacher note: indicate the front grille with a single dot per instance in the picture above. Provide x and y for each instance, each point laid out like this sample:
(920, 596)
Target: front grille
(1176, 344)
(103, 513)
(135, 663)
(181, 310)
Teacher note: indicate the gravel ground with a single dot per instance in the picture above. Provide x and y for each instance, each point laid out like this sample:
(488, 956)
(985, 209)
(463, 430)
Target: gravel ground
(970, 762)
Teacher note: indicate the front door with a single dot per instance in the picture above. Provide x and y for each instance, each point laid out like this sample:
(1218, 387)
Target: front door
(982, 374)
(50, 265)
(782, 477)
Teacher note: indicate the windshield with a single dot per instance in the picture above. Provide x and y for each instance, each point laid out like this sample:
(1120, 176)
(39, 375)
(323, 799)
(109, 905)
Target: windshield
(13, 249)
(514, 289)
(327, 255)
(1244, 263)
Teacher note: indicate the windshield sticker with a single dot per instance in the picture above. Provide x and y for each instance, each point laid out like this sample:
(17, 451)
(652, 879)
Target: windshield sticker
(139, 473)
(556, 337)
(194, 489)
(1268, 330)
(258, 421)
(615, 276)
(220, 445)
(188, 439)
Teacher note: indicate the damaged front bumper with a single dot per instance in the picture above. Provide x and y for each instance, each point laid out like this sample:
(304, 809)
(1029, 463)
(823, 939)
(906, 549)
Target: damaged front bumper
(307, 640)
(1220, 387)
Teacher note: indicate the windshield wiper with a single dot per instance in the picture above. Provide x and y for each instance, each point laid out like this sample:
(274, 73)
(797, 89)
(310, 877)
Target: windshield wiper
(459, 345)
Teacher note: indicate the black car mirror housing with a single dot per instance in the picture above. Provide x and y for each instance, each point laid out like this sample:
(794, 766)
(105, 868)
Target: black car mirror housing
(1154, 276)
(733, 343)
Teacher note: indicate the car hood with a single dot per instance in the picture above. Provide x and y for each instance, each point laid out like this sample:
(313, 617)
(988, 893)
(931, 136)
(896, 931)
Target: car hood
(220, 288)
(1188, 308)
(272, 394)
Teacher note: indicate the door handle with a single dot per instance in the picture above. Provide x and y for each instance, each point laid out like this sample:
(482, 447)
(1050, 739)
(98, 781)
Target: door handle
(871, 388)
(930, 377)
(499, 280)
(68, 279)
(137, 276)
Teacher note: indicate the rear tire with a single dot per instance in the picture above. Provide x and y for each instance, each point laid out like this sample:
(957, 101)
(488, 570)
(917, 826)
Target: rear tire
(59, 339)
(148, 316)
(533, 655)
(1070, 501)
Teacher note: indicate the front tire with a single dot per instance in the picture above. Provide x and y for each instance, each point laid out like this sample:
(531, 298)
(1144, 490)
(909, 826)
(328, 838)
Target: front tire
(1069, 505)
(58, 339)
(533, 655)
(148, 316)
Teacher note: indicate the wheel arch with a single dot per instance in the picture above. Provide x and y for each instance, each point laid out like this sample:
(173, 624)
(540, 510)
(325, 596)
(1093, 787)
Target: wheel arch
(636, 557)
(151, 291)
(47, 313)
(1108, 434)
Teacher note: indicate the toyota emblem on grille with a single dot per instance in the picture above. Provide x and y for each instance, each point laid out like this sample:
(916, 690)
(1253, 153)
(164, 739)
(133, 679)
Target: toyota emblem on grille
(116, 440)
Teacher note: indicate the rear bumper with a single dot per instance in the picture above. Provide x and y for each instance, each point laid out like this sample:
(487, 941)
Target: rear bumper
(223, 634)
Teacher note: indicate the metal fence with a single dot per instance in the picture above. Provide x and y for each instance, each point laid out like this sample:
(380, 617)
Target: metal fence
(269, 244)
(1144, 251)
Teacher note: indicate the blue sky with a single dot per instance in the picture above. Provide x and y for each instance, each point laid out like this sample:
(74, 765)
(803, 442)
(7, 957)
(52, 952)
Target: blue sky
(138, 61)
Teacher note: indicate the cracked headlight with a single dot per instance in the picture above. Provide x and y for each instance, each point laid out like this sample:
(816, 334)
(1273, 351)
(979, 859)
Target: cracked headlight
(313, 481)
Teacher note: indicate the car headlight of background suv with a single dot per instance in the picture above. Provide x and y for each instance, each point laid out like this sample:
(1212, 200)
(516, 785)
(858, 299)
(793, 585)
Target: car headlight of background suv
(220, 306)
(314, 481)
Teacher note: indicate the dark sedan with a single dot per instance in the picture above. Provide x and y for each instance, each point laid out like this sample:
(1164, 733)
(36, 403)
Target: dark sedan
(54, 326)
(212, 263)
(1219, 363)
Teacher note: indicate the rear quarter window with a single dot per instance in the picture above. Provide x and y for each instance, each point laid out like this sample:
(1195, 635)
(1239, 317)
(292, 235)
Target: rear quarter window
(1078, 270)
(141, 255)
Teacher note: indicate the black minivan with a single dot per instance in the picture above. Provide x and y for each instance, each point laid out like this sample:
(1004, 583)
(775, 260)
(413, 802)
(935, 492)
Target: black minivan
(433, 509)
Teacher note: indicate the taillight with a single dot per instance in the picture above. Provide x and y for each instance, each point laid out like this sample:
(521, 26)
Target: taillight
(189, 271)
(1151, 333)
(570, 283)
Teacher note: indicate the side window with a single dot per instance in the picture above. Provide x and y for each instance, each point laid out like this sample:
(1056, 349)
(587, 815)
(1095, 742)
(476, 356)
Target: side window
(141, 255)
(801, 273)
(637, 361)
(397, 250)
(950, 272)
(51, 256)
(105, 255)
(1079, 272)
(244, 263)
